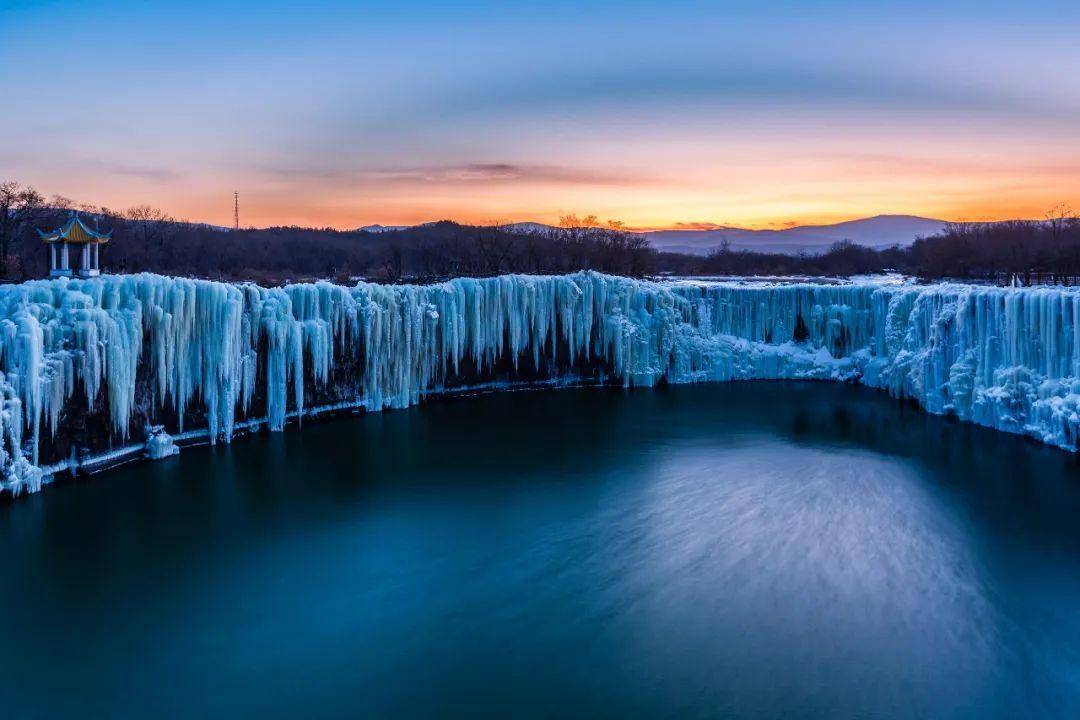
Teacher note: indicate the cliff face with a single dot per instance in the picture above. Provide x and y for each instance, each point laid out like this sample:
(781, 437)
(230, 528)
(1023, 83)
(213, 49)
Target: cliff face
(89, 365)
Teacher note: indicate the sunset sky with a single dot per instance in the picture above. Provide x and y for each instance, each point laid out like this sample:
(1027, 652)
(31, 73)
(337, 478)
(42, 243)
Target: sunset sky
(756, 114)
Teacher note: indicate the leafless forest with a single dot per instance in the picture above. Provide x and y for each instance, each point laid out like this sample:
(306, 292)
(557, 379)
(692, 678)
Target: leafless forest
(148, 239)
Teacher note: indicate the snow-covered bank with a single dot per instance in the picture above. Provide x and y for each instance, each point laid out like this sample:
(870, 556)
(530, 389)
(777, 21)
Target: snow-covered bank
(89, 365)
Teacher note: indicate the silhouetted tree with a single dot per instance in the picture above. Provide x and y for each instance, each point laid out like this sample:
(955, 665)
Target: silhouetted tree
(20, 208)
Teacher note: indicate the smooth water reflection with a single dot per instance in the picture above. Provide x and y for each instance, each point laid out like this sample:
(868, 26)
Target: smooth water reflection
(743, 550)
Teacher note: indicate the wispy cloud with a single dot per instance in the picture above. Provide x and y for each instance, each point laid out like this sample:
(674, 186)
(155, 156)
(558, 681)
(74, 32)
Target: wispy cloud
(697, 226)
(633, 90)
(150, 174)
(889, 164)
(462, 174)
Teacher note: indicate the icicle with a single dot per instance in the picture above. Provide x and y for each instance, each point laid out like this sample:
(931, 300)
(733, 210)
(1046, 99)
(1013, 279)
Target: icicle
(133, 346)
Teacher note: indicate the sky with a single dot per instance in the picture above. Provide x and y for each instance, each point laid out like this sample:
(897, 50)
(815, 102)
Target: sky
(675, 114)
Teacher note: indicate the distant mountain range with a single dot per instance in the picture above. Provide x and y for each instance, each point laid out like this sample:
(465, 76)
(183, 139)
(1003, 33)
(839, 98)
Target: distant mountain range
(877, 232)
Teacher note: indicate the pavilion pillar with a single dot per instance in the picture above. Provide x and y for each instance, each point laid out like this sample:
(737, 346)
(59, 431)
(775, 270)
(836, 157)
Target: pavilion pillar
(52, 256)
(84, 261)
(64, 259)
(97, 256)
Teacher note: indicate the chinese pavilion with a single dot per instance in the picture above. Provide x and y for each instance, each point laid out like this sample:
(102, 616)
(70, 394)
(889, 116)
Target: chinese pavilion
(74, 233)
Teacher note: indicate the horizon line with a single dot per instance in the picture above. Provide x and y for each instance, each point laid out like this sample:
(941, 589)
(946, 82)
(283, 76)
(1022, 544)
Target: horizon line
(646, 229)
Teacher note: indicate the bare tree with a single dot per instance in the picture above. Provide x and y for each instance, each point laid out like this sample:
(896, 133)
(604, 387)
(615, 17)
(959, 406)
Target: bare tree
(151, 222)
(493, 247)
(393, 266)
(61, 202)
(1058, 220)
(153, 226)
(20, 208)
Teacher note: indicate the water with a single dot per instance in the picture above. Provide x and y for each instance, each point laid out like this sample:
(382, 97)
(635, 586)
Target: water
(742, 550)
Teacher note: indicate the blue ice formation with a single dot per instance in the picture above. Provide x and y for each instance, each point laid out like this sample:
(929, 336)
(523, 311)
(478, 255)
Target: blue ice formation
(213, 355)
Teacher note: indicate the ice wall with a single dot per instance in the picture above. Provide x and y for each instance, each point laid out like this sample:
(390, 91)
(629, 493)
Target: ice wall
(131, 350)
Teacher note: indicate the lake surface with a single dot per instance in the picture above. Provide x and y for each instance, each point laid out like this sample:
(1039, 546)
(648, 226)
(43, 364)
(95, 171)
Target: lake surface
(743, 550)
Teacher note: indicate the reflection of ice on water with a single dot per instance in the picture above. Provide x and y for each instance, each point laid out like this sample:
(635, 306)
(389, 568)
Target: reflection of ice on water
(802, 577)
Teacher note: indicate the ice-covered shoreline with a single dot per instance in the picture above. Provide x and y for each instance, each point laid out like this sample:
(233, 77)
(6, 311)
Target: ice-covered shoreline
(88, 364)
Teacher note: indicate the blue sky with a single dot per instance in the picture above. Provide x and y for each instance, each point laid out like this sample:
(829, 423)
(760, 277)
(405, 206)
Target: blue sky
(756, 114)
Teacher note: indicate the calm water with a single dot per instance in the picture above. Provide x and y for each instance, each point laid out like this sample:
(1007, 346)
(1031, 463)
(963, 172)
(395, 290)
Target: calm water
(745, 550)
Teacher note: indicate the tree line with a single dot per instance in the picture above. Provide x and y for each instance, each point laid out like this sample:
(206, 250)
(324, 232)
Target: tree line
(148, 239)
(145, 238)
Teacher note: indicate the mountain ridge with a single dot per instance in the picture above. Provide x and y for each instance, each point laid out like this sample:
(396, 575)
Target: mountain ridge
(877, 231)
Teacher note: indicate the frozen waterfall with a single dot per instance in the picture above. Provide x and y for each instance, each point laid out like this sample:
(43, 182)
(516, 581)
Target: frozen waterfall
(88, 365)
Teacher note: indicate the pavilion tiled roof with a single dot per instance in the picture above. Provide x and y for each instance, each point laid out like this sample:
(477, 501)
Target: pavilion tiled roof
(75, 231)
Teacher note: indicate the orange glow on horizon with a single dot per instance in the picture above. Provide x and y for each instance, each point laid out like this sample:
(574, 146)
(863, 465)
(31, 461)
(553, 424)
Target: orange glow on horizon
(760, 119)
(255, 214)
(756, 190)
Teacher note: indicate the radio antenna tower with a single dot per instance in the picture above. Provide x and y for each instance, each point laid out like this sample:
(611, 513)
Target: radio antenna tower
(236, 210)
